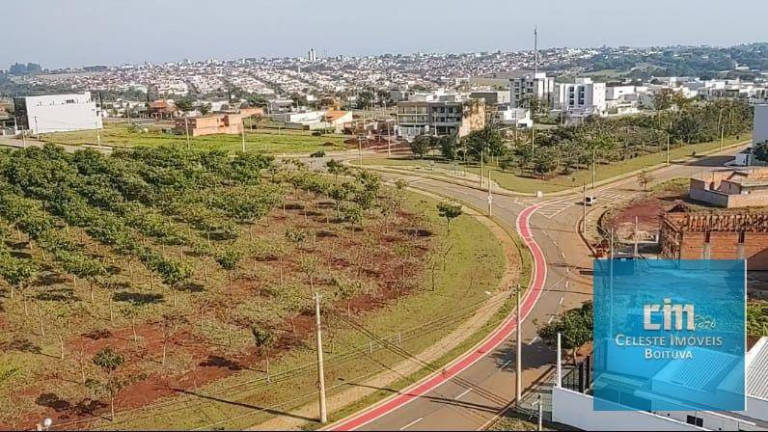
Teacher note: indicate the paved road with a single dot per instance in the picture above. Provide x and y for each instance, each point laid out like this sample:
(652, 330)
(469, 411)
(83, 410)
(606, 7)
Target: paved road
(473, 391)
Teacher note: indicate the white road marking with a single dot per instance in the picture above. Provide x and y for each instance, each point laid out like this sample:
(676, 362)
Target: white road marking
(412, 423)
(549, 321)
(464, 393)
(536, 339)
(505, 364)
(566, 284)
(561, 300)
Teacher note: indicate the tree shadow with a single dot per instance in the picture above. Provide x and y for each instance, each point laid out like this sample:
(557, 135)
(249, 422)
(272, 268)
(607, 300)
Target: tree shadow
(88, 407)
(48, 279)
(417, 232)
(221, 362)
(534, 356)
(709, 161)
(141, 299)
(98, 334)
(63, 295)
(191, 287)
(21, 255)
(326, 234)
(244, 405)
(54, 402)
(21, 345)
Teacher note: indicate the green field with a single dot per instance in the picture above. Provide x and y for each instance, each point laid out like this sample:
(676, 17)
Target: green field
(269, 141)
(510, 179)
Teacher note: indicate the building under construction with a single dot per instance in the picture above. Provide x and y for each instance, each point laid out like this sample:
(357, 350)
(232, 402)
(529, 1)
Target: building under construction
(708, 235)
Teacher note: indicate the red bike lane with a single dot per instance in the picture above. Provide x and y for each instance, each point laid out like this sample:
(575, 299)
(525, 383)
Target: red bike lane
(490, 343)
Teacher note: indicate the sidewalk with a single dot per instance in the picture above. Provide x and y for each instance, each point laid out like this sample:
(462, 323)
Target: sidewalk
(354, 392)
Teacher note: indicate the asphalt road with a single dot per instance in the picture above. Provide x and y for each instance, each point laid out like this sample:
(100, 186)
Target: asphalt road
(472, 397)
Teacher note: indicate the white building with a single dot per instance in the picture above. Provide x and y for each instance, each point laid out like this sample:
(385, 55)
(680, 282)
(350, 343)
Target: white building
(576, 409)
(760, 126)
(516, 117)
(522, 89)
(581, 98)
(57, 113)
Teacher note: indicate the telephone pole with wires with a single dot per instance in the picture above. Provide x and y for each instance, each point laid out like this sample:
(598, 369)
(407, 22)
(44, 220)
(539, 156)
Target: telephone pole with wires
(320, 371)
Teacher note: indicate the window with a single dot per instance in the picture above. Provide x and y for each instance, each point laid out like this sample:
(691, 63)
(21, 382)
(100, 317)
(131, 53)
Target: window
(696, 421)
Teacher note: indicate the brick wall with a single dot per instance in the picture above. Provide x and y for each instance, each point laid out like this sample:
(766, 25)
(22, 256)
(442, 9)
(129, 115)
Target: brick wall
(725, 245)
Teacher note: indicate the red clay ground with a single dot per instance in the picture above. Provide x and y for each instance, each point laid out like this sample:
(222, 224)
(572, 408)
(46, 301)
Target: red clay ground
(211, 363)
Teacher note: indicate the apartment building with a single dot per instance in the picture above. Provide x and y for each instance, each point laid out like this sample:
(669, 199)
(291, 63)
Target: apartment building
(57, 113)
(522, 89)
(581, 98)
(416, 118)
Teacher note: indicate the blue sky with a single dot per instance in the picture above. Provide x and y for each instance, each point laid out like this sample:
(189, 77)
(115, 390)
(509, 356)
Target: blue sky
(86, 32)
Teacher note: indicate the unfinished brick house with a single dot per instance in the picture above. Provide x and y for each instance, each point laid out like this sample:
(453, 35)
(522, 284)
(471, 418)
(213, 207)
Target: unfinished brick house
(706, 235)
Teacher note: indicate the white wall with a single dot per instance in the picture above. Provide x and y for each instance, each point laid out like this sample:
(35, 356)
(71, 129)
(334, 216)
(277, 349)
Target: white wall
(760, 133)
(62, 113)
(575, 409)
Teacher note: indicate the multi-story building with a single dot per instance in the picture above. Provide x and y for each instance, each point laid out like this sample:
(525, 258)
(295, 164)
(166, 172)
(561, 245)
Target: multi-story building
(523, 89)
(57, 113)
(416, 118)
(581, 98)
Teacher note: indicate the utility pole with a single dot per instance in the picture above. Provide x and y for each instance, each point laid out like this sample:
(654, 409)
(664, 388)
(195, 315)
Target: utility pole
(98, 135)
(637, 225)
(490, 196)
(584, 207)
(541, 412)
(186, 128)
(360, 149)
(667, 149)
(518, 355)
(535, 51)
(559, 379)
(481, 168)
(37, 130)
(242, 134)
(389, 140)
(320, 371)
(594, 169)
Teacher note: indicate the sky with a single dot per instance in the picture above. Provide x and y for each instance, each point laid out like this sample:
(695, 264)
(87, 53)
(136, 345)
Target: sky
(72, 33)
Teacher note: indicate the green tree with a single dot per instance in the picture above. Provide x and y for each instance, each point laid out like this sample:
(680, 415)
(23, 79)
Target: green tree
(421, 145)
(760, 151)
(575, 327)
(109, 361)
(449, 212)
(264, 339)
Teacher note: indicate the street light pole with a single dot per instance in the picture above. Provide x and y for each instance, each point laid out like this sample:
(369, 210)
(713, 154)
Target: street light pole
(320, 371)
(667, 149)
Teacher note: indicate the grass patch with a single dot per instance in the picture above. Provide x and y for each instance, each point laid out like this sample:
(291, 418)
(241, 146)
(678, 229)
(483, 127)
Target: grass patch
(275, 142)
(511, 180)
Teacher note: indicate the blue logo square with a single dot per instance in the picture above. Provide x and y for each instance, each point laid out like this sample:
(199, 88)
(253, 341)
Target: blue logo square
(669, 335)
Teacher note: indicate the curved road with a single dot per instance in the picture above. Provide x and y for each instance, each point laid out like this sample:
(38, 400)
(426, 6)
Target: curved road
(475, 388)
